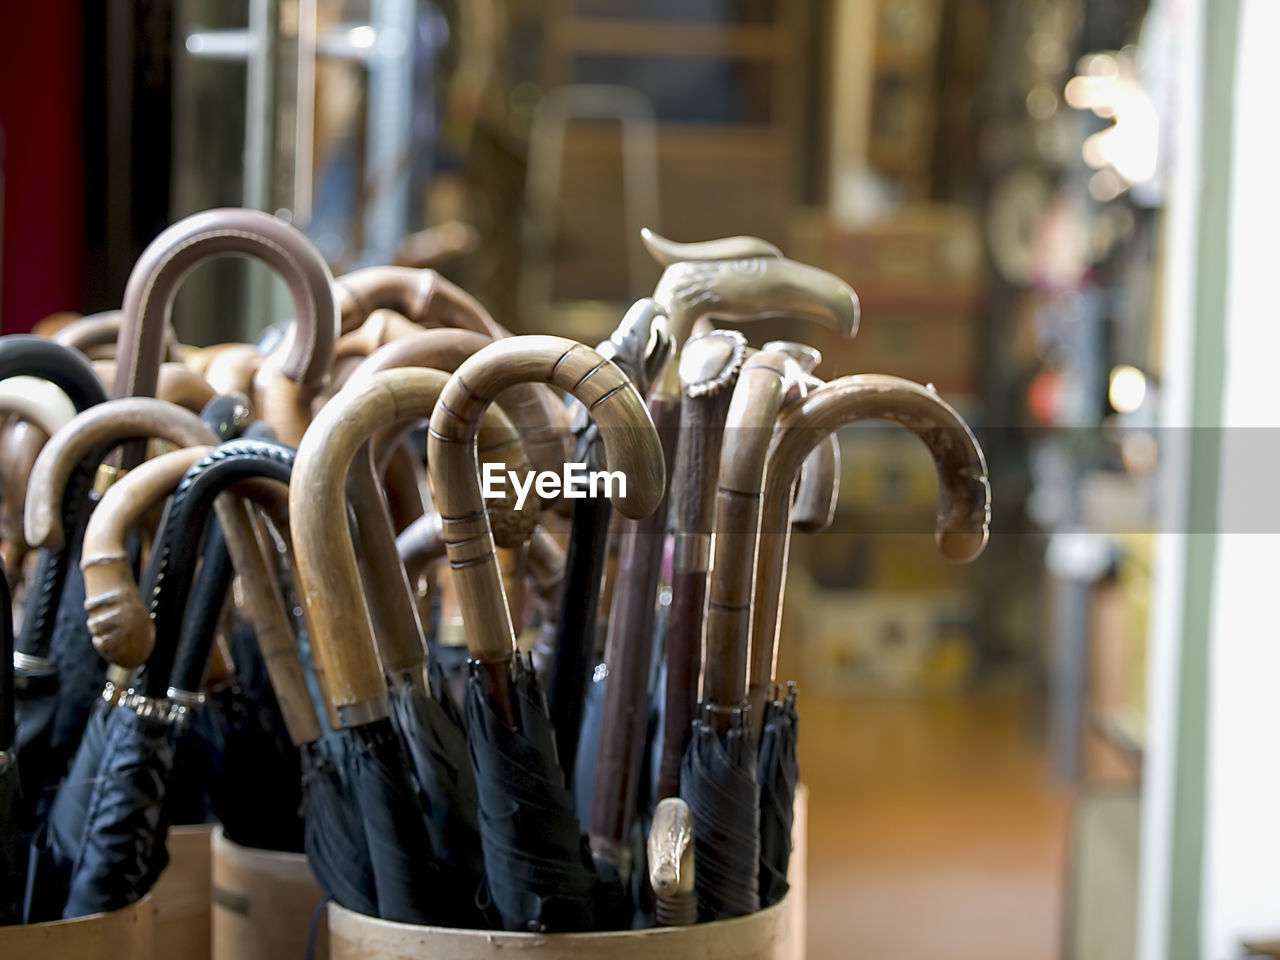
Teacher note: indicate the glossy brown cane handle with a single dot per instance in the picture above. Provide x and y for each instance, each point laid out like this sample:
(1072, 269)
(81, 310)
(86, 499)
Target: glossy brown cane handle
(337, 612)
(631, 446)
(107, 423)
(233, 367)
(20, 444)
(531, 406)
(964, 491)
(118, 620)
(156, 277)
(421, 296)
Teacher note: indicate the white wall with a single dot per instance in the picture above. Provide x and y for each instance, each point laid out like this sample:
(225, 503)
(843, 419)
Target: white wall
(1241, 887)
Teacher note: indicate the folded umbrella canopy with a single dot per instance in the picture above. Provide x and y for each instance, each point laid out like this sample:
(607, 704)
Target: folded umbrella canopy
(538, 870)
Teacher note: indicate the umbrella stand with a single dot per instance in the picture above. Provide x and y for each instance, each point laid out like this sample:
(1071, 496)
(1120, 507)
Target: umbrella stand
(125, 934)
(537, 875)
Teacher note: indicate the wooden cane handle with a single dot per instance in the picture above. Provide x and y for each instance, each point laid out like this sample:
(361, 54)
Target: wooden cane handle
(964, 491)
(36, 401)
(818, 488)
(421, 296)
(107, 423)
(337, 612)
(631, 446)
(531, 406)
(159, 272)
(233, 368)
(175, 382)
(119, 623)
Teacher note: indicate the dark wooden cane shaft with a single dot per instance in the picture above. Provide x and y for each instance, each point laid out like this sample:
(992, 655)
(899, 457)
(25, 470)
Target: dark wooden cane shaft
(631, 623)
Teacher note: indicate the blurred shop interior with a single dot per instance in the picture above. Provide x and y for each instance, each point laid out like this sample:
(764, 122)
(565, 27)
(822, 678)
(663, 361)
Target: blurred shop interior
(991, 176)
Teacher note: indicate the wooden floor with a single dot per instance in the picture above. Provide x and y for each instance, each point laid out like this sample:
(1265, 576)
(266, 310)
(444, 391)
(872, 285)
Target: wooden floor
(933, 832)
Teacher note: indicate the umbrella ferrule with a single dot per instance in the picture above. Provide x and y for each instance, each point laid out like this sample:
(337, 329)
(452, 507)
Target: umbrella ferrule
(27, 663)
(364, 711)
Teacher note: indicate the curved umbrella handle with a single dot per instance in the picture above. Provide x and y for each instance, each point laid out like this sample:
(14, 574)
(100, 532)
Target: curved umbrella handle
(91, 334)
(631, 446)
(37, 401)
(421, 296)
(818, 489)
(527, 404)
(100, 427)
(175, 382)
(338, 616)
(156, 277)
(25, 355)
(964, 490)
(119, 623)
(179, 547)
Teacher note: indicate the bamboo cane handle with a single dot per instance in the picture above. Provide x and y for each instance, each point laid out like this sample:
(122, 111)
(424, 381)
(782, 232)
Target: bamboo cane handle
(337, 612)
(964, 491)
(119, 623)
(529, 405)
(631, 446)
(105, 424)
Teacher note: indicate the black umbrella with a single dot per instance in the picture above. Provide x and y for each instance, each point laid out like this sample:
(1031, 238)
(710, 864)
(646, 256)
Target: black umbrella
(538, 866)
(778, 774)
(718, 782)
(13, 860)
(48, 725)
(640, 346)
(252, 774)
(121, 838)
(401, 764)
(538, 873)
(58, 688)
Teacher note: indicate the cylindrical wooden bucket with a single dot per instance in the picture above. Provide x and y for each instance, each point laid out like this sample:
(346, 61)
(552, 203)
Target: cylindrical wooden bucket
(182, 894)
(263, 904)
(776, 933)
(120, 935)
